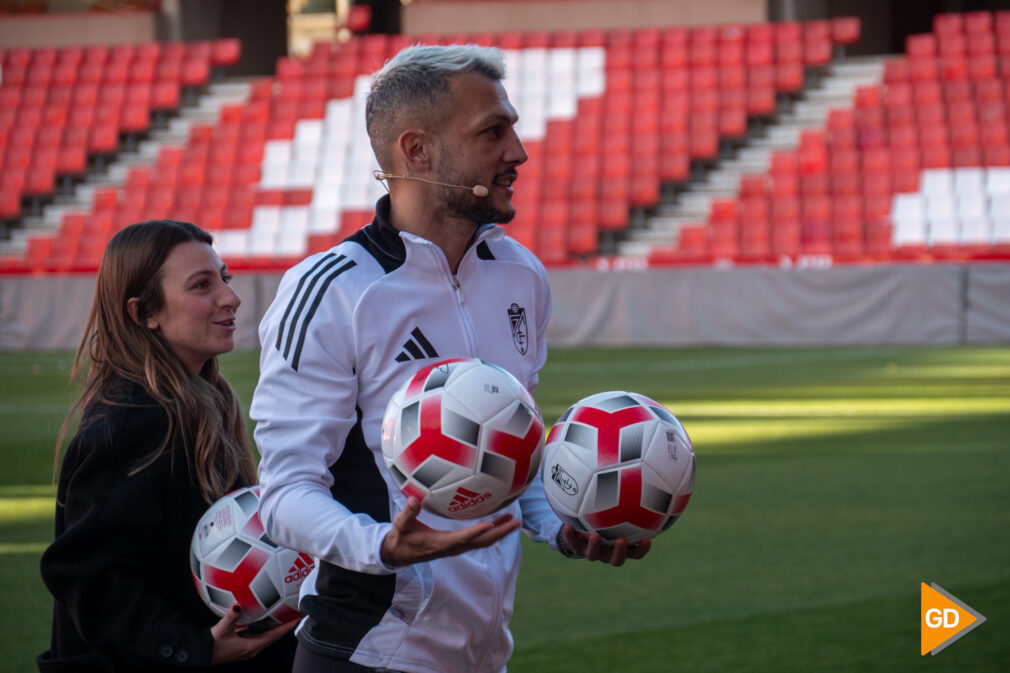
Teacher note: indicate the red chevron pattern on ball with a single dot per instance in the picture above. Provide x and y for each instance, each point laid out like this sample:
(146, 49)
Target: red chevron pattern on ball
(619, 464)
(463, 436)
(232, 560)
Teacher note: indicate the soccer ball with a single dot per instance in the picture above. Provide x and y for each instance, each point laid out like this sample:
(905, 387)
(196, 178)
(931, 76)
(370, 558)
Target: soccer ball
(463, 436)
(233, 561)
(619, 464)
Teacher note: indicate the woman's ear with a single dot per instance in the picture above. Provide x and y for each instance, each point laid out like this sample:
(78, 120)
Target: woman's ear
(133, 308)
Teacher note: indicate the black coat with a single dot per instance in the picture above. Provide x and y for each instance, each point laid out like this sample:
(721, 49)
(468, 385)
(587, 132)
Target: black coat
(119, 566)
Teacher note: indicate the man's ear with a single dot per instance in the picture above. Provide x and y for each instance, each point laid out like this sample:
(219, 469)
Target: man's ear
(414, 150)
(133, 309)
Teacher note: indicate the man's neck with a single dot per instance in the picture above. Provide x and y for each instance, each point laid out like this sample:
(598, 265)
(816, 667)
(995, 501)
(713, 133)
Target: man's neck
(452, 235)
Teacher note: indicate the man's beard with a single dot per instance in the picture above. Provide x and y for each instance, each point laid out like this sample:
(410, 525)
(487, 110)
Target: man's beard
(465, 204)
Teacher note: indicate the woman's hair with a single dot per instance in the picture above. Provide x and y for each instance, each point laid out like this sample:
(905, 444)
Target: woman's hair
(204, 417)
(413, 87)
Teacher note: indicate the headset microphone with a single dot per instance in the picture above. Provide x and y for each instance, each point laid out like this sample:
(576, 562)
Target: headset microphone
(479, 191)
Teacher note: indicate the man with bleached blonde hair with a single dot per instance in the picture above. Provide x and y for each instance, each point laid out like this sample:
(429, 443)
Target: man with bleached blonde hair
(432, 277)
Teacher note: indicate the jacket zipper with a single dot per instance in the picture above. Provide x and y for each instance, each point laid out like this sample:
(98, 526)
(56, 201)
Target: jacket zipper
(462, 309)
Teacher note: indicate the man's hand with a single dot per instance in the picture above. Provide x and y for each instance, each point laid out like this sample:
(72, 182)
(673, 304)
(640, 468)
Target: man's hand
(592, 547)
(411, 541)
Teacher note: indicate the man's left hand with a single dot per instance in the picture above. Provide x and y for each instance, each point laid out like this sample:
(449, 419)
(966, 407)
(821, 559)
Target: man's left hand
(593, 548)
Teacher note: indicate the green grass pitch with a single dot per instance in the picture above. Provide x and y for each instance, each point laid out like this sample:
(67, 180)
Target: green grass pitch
(831, 482)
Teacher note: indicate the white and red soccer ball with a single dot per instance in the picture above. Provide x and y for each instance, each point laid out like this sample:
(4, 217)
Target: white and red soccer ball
(463, 436)
(234, 561)
(619, 464)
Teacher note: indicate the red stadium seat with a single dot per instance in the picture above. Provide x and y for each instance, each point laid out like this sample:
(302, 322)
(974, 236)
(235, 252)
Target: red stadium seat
(965, 156)
(225, 52)
(923, 69)
(927, 92)
(817, 51)
(951, 44)
(115, 71)
(165, 95)
(103, 138)
(896, 70)
(15, 74)
(845, 30)
(788, 31)
(755, 243)
(954, 67)
(816, 184)
(48, 137)
(1002, 25)
(724, 240)
(753, 185)
(81, 119)
(10, 203)
(978, 24)
(786, 237)
(982, 66)
(733, 122)
(141, 71)
(921, 46)
(868, 96)
(135, 118)
(72, 160)
(789, 76)
(960, 113)
(40, 179)
(993, 134)
(948, 23)
(936, 156)
(958, 91)
(989, 90)
(195, 72)
(91, 73)
(996, 156)
(760, 50)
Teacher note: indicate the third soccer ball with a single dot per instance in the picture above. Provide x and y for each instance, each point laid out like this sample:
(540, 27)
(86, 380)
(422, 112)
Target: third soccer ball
(233, 561)
(620, 464)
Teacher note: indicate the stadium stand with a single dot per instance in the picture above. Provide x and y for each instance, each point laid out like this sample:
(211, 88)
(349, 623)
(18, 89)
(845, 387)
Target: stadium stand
(916, 169)
(65, 111)
(609, 118)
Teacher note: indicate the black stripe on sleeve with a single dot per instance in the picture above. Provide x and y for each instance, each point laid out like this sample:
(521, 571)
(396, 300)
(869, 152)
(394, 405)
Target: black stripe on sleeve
(303, 300)
(298, 288)
(312, 309)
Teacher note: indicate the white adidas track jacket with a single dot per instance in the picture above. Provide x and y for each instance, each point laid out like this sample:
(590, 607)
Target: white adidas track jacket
(347, 327)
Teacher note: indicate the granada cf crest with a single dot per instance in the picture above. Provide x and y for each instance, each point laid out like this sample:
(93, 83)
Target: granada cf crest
(520, 333)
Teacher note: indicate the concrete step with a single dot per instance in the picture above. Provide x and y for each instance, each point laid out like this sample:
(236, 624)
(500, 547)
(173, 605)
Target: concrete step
(669, 225)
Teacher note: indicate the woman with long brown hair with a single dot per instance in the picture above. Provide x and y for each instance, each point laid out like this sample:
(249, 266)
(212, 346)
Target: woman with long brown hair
(160, 437)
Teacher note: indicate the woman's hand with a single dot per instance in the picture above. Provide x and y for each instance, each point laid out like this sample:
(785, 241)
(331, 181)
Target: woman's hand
(231, 645)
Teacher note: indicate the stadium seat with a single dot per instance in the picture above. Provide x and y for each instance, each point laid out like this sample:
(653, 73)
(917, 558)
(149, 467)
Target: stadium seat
(225, 52)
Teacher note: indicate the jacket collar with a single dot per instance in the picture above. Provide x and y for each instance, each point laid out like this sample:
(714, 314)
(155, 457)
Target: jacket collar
(387, 242)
